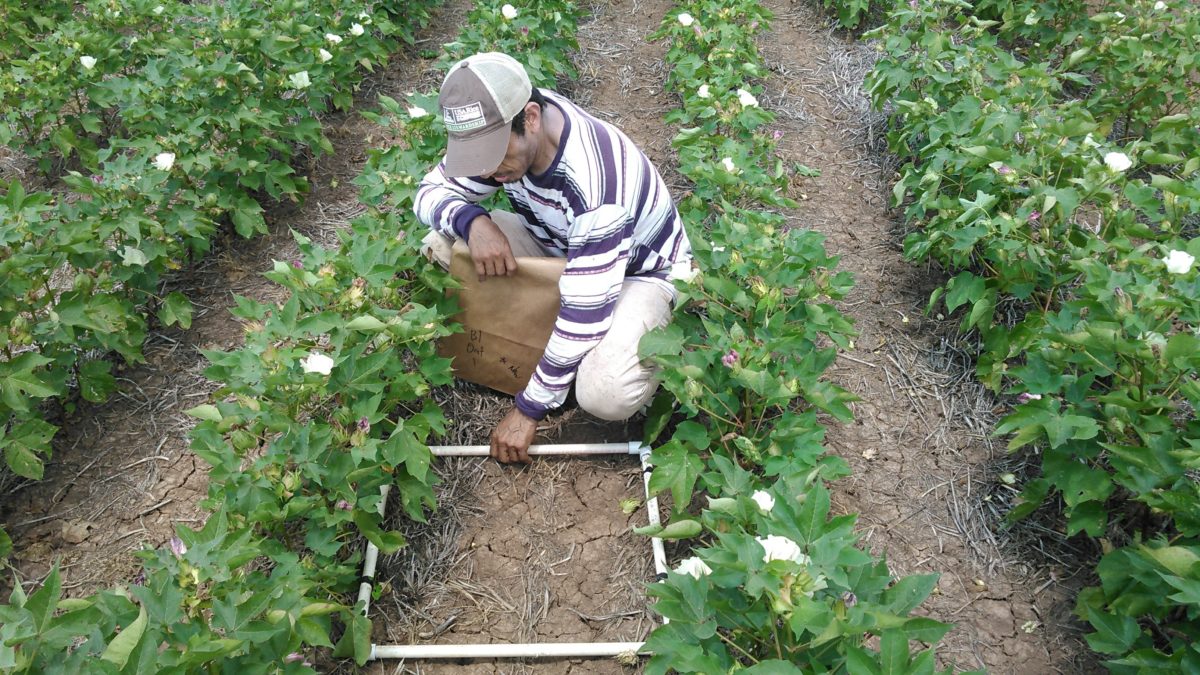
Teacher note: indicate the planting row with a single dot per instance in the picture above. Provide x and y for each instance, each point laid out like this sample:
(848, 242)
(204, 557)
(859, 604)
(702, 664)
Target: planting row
(1052, 165)
(327, 401)
(164, 122)
(779, 585)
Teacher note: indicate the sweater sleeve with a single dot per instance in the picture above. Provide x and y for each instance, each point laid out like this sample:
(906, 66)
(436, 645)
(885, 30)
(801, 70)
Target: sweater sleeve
(597, 252)
(448, 205)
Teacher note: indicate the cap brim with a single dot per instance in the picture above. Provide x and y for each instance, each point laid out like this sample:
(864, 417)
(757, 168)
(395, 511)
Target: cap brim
(477, 155)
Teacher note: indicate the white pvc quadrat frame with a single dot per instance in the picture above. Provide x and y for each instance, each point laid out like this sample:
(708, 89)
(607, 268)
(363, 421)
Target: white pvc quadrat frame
(531, 649)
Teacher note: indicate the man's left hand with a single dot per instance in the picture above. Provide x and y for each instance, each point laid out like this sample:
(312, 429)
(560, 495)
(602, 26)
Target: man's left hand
(512, 437)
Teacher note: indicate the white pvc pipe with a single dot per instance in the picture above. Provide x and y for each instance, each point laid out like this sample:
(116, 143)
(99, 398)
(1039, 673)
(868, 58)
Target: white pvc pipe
(371, 557)
(503, 651)
(660, 554)
(630, 448)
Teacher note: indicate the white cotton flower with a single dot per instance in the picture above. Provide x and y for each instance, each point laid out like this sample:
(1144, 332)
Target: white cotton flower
(163, 161)
(356, 29)
(718, 249)
(776, 547)
(685, 19)
(703, 92)
(158, 10)
(693, 566)
(747, 99)
(1153, 338)
(1160, 6)
(729, 165)
(333, 38)
(1179, 262)
(364, 17)
(299, 80)
(316, 362)
(764, 500)
(1120, 16)
(509, 12)
(88, 62)
(417, 111)
(324, 55)
(1090, 142)
(1117, 161)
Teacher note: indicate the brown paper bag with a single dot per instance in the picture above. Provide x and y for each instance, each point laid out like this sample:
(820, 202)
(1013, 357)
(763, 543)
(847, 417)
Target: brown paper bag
(507, 321)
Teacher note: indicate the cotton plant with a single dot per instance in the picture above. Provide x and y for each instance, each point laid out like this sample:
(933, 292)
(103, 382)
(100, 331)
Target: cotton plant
(772, 584)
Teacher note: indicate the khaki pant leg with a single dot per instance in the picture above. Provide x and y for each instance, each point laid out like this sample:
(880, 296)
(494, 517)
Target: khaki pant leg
(612, 382)
(439, 247)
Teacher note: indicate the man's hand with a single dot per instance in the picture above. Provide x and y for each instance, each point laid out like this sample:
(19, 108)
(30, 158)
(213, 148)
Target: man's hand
(490, 249)
(511, 438)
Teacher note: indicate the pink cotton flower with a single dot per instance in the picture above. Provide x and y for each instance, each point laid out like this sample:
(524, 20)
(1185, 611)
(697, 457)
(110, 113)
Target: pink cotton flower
(1034, 216)
(364, 425)
(344, 505)
(177, 546)
(730, 358)
(1026, 398)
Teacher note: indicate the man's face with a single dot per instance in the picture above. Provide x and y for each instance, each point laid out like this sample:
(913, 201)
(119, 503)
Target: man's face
(522, 150)
(517, 160)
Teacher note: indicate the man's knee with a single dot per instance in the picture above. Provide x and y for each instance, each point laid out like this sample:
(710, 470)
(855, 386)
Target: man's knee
(613, 388)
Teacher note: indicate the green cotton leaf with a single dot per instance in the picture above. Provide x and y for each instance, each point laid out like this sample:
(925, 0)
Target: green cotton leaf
(893, 652)
(962, 289)
(96, 381)
(1182, 350)
(676, 469)
(692, 435)
(205, 411)
(1178, 560)
(176, 309)
(1189, 590)
(1115, 633)
(1062, 428)
(387, 542)
(6, 546)
(772, 667)
(131, 256)
(44, 602)
(665, 341)
(121, 646)
(23, 461)
(356, 641)
(1089, 517)
(366, 323)
(658, 417)
(908, 592)
(25, 445)
(859, 660)
(20, 381)
(811, 518)
(247, 218)
(680, 529)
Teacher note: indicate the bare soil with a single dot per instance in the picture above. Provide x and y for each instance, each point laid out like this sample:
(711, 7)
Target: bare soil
(543, 553)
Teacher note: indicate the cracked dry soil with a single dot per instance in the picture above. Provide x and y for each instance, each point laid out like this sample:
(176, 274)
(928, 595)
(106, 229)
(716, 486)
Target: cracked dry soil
(550, 541)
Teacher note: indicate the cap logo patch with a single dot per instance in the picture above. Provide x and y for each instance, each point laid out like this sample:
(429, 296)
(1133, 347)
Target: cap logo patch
(464, 117)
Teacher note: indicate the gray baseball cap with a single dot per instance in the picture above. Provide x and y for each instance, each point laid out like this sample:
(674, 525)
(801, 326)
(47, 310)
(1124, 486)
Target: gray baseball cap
(479, 99)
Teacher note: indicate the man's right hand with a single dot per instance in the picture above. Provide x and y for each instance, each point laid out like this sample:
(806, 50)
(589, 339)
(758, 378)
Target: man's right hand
(490, 249)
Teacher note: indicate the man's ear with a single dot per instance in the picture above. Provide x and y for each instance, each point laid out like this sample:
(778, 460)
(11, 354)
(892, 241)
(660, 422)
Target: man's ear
(533, 118)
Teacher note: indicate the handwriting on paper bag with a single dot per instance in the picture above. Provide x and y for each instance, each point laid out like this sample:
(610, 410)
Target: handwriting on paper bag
(475, 347)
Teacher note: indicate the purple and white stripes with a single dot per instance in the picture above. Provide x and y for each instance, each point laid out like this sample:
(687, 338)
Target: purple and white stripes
(604, 206)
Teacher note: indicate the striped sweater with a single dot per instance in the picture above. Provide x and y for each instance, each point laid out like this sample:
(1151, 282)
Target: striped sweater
(602, 204)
